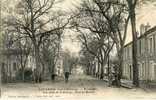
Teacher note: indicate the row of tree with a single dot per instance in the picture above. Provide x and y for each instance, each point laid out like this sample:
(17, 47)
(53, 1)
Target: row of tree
(103, 25)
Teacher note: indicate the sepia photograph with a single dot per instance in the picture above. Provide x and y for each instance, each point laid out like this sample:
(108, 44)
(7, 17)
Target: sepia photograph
(77, 49)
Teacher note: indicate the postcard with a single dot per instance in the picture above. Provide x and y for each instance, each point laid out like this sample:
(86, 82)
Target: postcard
(77, 50)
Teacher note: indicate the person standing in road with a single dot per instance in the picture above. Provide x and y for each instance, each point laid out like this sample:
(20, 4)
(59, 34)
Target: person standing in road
(66, 67)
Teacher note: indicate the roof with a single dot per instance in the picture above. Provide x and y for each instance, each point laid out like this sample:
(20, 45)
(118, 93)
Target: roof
(144, 35)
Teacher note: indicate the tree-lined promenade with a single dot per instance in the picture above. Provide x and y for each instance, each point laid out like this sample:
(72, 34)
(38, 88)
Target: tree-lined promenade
(35, 30)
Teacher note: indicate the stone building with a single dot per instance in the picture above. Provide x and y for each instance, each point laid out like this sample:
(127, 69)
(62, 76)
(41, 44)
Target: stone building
(146, 54)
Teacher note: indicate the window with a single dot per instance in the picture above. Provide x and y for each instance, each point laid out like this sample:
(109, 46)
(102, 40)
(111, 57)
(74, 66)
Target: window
(155, 71)
(143, 46)
(140, 47)
(150, 44)
(130, 71)
(127, 52)
(14, 66)
(130, 51)
(151, 70)
(3, 67)
(143, 70)
(140, 70)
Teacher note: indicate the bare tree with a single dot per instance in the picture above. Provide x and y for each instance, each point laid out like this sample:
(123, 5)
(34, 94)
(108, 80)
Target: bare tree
(6, 44)
(37, 19)
(132, 7)
(86, 58)
(0, 49)
(115, 13)
(98, 48)
(24, 51)
(109, 20)
(50, 53)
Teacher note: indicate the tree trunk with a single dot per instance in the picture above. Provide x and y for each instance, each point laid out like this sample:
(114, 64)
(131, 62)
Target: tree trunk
(52, 73)
(39, 68)
(98, 69)
(132, 6)
(53, 69)
(101, 75)
(134, 48)
(23, 79)
(90, 69)
(120, 66)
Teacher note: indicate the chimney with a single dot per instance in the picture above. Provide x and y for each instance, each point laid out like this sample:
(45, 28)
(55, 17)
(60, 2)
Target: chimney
(142, 29)
(138, 34)
(147, 27)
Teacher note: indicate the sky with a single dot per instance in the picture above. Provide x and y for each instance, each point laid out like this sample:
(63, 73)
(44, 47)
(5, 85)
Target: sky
(70, 41)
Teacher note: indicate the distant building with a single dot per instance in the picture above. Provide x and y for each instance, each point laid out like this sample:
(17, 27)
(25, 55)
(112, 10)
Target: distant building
(10, 64)
(146, 55)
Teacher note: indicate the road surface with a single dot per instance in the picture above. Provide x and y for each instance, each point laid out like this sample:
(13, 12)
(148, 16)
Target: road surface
(79, 87)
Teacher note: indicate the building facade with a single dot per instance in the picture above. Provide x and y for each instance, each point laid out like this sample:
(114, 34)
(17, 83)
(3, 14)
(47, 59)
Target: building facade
(146, 55)
(10, 64)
